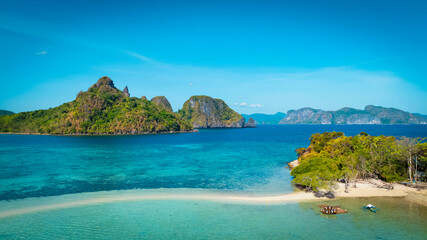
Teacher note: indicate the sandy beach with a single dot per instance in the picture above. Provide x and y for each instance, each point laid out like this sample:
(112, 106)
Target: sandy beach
(359, 189)
(370, 188)
(141, 195)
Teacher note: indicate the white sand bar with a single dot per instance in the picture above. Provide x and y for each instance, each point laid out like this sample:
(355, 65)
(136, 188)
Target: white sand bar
(32, 205)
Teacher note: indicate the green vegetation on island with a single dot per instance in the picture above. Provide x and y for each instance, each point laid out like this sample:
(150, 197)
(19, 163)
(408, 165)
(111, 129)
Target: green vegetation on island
(103, 109)
(333, 157)
(207, 112)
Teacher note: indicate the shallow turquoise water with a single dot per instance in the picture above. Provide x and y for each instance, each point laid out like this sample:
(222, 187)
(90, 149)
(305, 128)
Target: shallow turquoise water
(41, 169)
(179, 219)
(248, 160)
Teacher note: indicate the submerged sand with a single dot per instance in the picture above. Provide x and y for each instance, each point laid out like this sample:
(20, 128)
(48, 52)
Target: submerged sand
(359, 189)
(23, 206)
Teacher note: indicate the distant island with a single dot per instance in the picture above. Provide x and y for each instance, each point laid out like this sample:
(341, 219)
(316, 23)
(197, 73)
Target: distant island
(370, 115)
(104, 109)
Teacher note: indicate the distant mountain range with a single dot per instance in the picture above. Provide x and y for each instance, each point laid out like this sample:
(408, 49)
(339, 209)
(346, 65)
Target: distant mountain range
(261, 118)
(370, 115)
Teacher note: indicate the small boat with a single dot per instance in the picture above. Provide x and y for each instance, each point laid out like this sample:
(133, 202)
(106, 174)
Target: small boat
(371, 208)
(331, 209)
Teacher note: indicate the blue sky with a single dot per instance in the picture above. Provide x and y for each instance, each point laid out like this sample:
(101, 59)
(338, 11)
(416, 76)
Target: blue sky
(258, 56)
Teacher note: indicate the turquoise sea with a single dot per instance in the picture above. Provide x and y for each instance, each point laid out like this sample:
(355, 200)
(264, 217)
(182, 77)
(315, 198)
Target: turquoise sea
(58, 170)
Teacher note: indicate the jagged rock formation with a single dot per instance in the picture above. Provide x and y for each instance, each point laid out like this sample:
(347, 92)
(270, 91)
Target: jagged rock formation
(250, 123)
(207, 112)
(103, 109)
(126, 91)
(261, 118)
(370, 115)
(163, 102)
(104, 82)
(5, 112)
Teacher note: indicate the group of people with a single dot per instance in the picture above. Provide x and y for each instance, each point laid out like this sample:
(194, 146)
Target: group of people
(329, 210)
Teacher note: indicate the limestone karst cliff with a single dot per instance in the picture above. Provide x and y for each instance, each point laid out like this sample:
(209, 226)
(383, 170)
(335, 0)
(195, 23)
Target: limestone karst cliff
(207, 112)
(163, 102)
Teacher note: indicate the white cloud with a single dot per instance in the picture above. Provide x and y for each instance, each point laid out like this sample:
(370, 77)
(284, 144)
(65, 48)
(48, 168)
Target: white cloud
(139, 56)
(41, 53)
(191, 84)
(243, 104)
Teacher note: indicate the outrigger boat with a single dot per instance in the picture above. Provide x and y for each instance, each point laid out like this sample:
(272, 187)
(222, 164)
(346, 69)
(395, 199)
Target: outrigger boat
(371, 208)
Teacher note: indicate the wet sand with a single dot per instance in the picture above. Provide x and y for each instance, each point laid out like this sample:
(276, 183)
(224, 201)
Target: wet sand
(32, 205)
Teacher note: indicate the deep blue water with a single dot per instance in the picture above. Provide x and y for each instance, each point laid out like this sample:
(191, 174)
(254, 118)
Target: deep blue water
(250, 160)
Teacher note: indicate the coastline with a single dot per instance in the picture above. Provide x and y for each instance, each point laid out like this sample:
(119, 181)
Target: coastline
(363, 189)
(360, 189)
(99, 134)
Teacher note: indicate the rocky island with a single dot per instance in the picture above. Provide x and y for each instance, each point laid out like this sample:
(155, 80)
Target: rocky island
(207, 112)
(251, 123)
(102, 109)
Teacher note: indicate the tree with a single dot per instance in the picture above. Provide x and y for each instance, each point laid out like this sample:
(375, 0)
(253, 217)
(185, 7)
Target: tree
(333, 156)
(408, 148)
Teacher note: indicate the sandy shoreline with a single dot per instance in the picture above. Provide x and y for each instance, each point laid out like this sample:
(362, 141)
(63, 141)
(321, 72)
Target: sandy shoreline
(370, 189)
(363, 189)
(356, 190)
